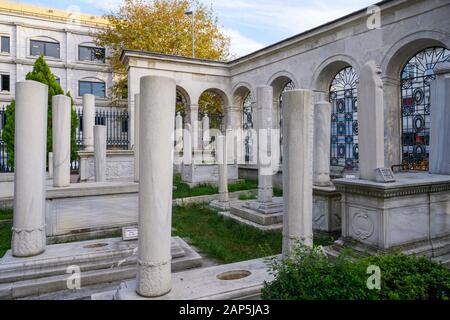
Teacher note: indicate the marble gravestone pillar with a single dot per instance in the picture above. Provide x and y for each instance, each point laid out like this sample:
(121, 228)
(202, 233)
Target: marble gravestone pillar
(322, 143)
(156, 125)
(131, 124)
(187, 145)
(50, 165)
(100, 153)
(223, 202)
(30, 147)
(61, 114)
(206, 134)
(264, 97)
(370, 121)
(88, 121)
(440, 120)
(298, 129)
(178, 131)
(136, 136)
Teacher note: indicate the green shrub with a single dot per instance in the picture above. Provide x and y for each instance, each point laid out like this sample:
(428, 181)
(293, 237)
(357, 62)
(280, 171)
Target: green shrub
(310, 275)
(41, 73)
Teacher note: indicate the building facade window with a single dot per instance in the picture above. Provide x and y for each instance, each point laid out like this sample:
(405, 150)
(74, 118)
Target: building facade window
(92, 87)
(5, 45)
(46, 48)
(416, 77)
(93, 54)
(5, 83)
(344, 119)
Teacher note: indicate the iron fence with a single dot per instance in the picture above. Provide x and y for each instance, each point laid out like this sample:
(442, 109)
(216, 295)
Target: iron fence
(116, 122)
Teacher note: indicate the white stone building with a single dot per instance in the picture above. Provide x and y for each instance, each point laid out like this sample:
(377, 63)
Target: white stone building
(65, 39)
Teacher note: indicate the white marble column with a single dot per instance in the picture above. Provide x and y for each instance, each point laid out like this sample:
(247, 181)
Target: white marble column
(136, 136)
(131, 122)
(298, 128)
(155, 190)
(205, 128)
(30, 149)
(195, 128)
(61, 116)
(223, 168)
(179, 131)
(50, 165)
(264, 98)
(322, 143)
(187, 145)
(370, 121)
(100, 153)
(88, 121)
(440, 120)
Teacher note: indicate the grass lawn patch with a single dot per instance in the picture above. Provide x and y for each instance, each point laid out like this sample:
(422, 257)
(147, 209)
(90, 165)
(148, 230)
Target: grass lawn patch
(183, 190)
(5, 237)
(6, 214)
(226, 240)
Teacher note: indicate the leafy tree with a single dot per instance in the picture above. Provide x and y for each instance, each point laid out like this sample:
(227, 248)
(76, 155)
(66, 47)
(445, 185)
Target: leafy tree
(41, 73)
(160, 26)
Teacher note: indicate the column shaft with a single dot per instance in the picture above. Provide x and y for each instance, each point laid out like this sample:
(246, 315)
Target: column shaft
(100, 153)
(298, 128)
(61, 116)
(322, 143)
(88, 121)
(30, 147)
(136, 135)
(156, 123)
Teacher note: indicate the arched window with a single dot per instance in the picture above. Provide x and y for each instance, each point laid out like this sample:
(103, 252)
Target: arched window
(287, 87)
(415, 91)
(247, 124)
(344, 119)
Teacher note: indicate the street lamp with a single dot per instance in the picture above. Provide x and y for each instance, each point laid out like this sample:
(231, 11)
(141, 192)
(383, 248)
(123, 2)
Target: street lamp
(191, 13)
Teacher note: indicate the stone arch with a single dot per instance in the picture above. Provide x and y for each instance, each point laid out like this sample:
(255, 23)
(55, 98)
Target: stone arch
(404, 49)
(392, 64)
(218, 118)
(183, 101)
(240, 91)
(328, 69)
(279, 80)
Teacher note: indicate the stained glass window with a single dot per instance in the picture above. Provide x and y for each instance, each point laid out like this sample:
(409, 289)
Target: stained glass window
(416, 77)
(344, 119)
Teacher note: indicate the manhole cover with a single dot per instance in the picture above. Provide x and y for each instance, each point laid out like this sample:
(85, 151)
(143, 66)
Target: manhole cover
(234, 275)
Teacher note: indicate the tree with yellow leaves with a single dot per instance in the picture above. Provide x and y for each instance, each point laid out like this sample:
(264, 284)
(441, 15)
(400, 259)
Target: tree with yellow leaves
(160, 26)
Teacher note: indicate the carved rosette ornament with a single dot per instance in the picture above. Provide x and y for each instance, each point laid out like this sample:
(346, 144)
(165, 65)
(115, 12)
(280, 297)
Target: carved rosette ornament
(28, 242)
(363, 226)
(153, 279)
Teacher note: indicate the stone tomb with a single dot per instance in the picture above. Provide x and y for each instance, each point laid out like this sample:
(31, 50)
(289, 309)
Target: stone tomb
(410, 214)
(100, 261)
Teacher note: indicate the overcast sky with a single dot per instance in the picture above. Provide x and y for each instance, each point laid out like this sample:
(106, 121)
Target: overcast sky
(251, 24)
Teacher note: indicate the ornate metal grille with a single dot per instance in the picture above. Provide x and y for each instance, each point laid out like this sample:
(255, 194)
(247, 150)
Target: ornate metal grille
(344, 119)
(287, 87)
(247, 124)
(416, 77)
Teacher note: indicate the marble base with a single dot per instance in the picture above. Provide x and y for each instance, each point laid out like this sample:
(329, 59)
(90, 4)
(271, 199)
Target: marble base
(100, 261)
(206, 284)
(275, 206)
(222, 206)
(196, 174)
(413, 212)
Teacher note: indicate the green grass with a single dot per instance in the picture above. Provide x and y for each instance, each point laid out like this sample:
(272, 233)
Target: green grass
(6, 214)
(226, 240)
(5, 237)
(247, 197)
(182, 189)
